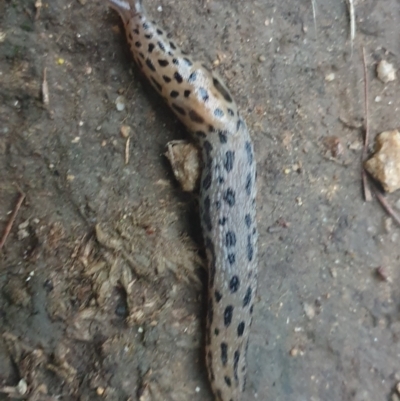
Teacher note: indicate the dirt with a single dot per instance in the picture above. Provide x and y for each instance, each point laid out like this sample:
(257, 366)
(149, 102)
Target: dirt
(102, 279)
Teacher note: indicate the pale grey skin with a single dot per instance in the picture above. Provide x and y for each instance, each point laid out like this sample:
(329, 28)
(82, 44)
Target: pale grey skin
(227, 191)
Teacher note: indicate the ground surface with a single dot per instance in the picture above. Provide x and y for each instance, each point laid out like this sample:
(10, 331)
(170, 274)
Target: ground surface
(102, 278)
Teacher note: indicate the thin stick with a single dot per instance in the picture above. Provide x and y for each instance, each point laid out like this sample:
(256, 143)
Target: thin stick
(45, 88)
(386, 206)
(367, 191)
(314, 11)
(128, 141)
(352, 23)
(11, 221)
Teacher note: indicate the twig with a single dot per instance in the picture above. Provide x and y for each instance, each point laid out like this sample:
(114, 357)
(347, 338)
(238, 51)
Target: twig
(352, 23)
(38, 5)
(367, 191)
(128, 141)
(45, 88)
(314, 11)
(386, 206)
(11, 221)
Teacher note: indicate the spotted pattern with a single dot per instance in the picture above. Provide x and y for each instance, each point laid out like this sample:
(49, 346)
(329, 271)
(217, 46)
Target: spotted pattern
(227, 191)
(228, 315)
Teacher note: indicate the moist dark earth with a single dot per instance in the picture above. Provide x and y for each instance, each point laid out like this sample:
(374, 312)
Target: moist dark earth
(102, 277)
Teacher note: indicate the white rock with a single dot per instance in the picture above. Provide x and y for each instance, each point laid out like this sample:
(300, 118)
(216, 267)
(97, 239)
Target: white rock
(385, 71)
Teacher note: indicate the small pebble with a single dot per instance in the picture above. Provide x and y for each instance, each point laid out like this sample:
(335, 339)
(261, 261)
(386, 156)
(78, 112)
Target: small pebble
(100, 390)
(384, 165)
(125, 131)
(120, 103)
(309, 311)
(22, 234)
(385, 71)
(22, 387)
(330, 77)
(261, 59)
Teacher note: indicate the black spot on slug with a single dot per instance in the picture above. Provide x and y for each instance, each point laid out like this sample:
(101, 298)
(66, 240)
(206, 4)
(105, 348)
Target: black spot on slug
(222, 221)
(148, 36)
(251, 309)
(229, 197)
(179, 109)
(207, 149)
(187, 61)
(203, 94)
(224, 353)
(136, 30)
(195, 117)
(165, 78)
(218, 205)
(161, 46)
(231, 258)
(230, 239)
(218, 113)
(175, 61)
(234, 284)
(248, 184)
(216, 331)
(200, 134)
(141, 55)
(146, 25)
(192, 77)
(236, 357)
(174, 94)
(206, 213)
(172, 44)
(207, 182)
(229, 159)
(187, 93)
(156, 84)
(228, 315)
(150, 64)
(250, 250)
(231, 112)
(227, 381)
(159, 32)
(249, 152)
(211, 260)
(218, 296)
(138, 44)
(178, 77)
(247, 297)
(151, 47)
(240, 329)
(247, 220)
(222, 136)
(220, 88)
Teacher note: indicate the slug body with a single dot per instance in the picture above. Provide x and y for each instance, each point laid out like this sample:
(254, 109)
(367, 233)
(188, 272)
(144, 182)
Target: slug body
(227, 190)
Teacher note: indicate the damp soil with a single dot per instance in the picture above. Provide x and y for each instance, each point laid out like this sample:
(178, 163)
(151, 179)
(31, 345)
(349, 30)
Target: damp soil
(102, 277)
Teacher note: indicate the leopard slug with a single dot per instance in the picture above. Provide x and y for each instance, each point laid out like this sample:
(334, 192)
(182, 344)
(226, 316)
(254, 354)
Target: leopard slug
(227, 191)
